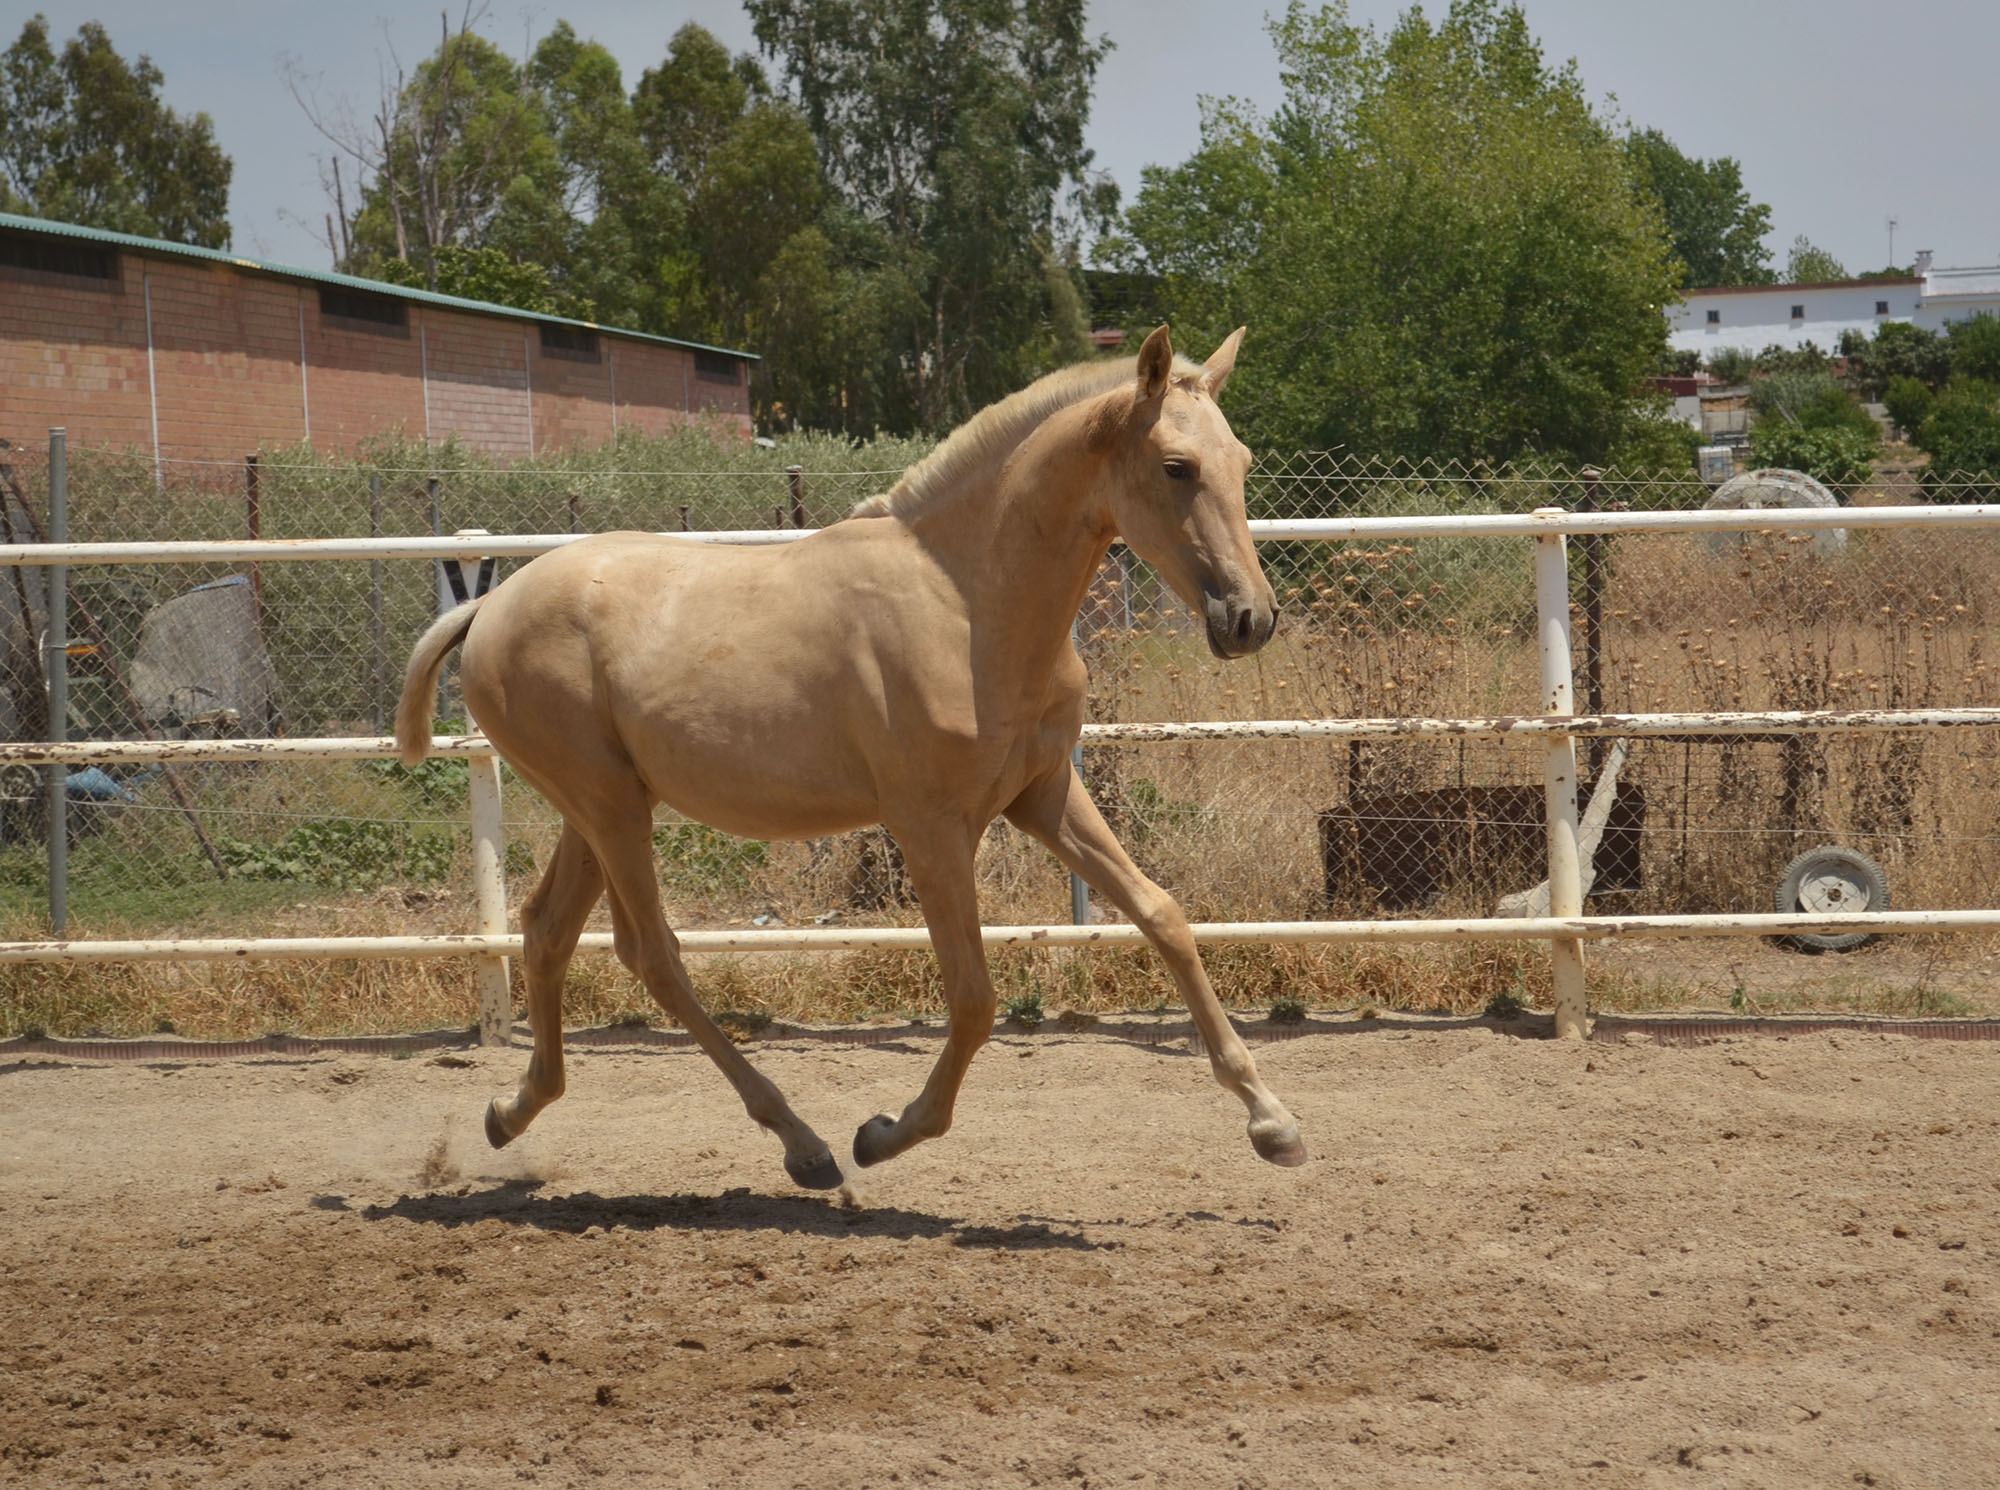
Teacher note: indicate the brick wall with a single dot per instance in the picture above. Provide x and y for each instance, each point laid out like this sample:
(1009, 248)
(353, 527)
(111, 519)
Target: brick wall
(243, 359)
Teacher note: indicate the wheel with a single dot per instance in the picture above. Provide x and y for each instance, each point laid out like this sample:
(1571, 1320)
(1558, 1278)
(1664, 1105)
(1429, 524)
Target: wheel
(1827, 881)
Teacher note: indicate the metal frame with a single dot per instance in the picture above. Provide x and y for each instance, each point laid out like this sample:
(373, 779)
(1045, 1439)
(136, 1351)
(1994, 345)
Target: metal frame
(1556, 724)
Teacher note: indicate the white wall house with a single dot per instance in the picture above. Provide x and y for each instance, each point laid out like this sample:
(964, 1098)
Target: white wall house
(1753, 317)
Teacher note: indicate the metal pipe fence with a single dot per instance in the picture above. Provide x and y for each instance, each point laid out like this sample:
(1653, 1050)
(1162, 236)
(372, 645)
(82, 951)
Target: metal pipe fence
(1820, 676)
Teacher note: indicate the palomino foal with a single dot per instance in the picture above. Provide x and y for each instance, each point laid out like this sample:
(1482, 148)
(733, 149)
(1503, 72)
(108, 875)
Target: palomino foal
(911, 666)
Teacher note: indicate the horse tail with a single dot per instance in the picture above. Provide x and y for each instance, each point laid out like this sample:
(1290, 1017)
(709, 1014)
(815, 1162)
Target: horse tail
(413, 710)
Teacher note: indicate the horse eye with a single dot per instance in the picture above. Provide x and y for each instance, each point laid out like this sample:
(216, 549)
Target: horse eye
(1179, 470)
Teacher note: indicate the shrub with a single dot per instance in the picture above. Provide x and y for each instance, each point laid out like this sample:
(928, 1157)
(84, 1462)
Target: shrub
(1909, 402)
(1898, 350)
(1962, 436)
(1732, 365)
(1808, 422)
(1840, 457)
(1975, 347)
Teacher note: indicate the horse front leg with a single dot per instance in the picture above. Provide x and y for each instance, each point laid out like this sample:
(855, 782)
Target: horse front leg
(1059, 812)
(939, 864)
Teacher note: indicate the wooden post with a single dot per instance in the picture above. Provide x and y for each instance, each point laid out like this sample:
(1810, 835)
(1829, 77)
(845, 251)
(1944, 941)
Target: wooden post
(796, 476)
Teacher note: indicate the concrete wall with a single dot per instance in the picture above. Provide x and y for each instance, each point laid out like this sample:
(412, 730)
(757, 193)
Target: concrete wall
(243, 358)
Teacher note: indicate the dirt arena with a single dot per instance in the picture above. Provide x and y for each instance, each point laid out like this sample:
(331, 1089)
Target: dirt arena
(1510, 1262)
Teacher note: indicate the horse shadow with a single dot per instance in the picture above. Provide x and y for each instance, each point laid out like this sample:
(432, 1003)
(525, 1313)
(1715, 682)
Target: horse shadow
(521, 1202)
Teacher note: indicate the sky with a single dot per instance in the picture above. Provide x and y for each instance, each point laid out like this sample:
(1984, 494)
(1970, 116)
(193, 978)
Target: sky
(1843, 113)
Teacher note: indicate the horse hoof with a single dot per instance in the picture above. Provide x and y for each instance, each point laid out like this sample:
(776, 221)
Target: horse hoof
(817, 1173)
(496, 1135)
(1282, 1147)
(872, 1140)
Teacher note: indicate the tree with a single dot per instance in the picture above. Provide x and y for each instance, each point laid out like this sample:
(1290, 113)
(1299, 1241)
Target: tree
(458, 144)
(1717, 232)
(947, 131)
(84, 138)
(1898, 350)
(1438, 246)
(1808, 265)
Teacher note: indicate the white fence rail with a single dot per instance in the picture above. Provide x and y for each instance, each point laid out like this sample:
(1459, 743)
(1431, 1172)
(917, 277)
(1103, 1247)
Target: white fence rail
(1552, 722)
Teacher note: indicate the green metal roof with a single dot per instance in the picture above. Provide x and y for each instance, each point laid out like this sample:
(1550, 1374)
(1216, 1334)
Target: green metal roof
(327, 277)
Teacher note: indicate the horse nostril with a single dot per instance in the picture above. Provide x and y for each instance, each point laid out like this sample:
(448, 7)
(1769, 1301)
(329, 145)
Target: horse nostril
(1246, 622)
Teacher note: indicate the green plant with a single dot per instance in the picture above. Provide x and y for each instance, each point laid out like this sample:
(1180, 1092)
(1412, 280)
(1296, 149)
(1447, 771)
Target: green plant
(1023, 1009)
(440, 781)
(1838, 456)
(696, 858)
(344, 854)
(1151, 812)
(1732, 365)
(1909, 403)
(1505, 1006)
(1961, 433)
(1288, 1011)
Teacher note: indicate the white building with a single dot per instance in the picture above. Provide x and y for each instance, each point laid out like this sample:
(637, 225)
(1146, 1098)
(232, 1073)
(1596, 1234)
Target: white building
(1750, 318)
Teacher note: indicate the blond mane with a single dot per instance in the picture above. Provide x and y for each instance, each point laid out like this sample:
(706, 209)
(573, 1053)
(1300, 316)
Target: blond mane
(996, 429)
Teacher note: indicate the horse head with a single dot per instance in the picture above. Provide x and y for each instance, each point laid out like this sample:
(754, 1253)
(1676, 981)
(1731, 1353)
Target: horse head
(1176, 493)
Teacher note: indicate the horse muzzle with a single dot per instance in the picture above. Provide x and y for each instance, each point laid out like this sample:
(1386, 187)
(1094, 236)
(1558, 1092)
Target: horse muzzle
(1236, 628)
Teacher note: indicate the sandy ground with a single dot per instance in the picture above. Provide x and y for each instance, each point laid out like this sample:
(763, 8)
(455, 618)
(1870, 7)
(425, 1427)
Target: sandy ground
(1510, 1262)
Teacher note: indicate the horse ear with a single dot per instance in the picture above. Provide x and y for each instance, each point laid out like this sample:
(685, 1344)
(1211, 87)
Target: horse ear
(1221, 362)
(1156, 366)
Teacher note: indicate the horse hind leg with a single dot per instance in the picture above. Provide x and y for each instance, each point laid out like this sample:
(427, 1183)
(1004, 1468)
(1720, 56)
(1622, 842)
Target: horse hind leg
(551, 921)
(649, 949)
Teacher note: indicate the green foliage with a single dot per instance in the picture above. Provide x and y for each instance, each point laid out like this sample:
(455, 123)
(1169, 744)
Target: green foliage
(697, 859)
(1654, 442)
(1808, 422)
(1975, 347)
(1716, 231)
(1436, 242)
(1807, 265)
(1836, 455)
(1897, 350)
(440, 782)
(948, 132)
(1732, 365)
(1150, 812)
(479, 274)
(344, 854)
(1961, 434)
(84, 138)
(1023, 1009)
(1288, 1011)
(1809, 358)
(1908, 402)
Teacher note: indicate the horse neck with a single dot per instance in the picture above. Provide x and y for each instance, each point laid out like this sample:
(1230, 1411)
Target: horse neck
(1023, 539)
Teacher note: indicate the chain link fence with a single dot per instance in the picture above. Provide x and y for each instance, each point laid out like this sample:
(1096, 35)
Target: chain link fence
(1239, 831)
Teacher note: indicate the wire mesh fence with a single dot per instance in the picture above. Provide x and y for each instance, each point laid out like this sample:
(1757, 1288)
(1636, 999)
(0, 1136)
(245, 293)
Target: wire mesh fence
(1239, 831)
